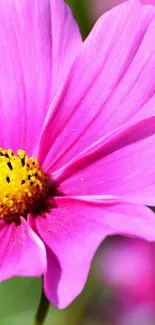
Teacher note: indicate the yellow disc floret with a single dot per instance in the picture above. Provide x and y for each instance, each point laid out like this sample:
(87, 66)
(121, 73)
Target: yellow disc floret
(22, 184)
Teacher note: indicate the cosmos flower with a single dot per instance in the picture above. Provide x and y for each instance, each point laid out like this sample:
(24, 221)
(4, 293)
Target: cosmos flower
(77, 133)
(126, 267)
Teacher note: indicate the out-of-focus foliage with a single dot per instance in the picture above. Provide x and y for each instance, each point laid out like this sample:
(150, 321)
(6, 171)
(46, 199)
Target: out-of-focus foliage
(19, 299)
(81, 13)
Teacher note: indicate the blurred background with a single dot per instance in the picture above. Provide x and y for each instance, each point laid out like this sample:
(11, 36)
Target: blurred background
(121, 285)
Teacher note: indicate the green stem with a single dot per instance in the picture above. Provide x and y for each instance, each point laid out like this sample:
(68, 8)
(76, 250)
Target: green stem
(42, 310)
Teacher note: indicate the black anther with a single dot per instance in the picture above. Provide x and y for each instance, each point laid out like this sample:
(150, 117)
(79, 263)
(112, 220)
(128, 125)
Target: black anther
(8, 179)
(10, 165)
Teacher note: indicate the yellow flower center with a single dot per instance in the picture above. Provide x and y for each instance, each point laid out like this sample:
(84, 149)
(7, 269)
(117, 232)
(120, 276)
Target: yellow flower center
(23, 185)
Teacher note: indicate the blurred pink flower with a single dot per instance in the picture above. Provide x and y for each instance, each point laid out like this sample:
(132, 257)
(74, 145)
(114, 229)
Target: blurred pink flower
(86, 113)
(126, 266)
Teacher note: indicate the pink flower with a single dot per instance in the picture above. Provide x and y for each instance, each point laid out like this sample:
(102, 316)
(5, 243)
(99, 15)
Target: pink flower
(126, 266)
(86, 113)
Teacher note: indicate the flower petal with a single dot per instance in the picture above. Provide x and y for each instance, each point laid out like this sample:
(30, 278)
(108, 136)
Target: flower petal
(31, 53)
(73, 231)
(111, 79)
(66, 41)
(120, 164)
(22, 253)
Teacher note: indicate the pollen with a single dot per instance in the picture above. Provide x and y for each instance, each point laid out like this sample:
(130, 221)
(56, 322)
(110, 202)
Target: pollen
(23, 184)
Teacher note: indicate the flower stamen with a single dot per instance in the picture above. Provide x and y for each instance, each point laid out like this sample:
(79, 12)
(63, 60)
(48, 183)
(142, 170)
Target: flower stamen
(23, 184)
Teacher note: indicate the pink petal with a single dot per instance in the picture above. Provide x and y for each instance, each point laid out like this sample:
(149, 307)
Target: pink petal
(98, 7)
(120, 164)
(22, 253)
(31, 54)
(111, 79)
(66, 42)
(74, 230)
